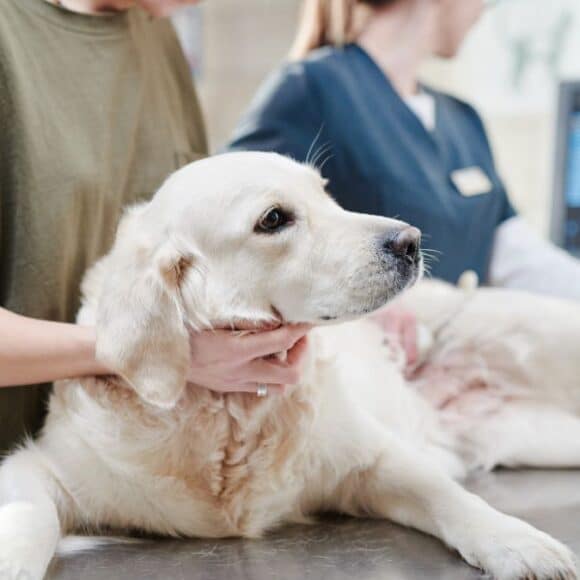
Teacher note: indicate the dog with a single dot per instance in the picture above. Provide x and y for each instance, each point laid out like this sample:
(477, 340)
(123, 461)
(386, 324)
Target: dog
(254, 238)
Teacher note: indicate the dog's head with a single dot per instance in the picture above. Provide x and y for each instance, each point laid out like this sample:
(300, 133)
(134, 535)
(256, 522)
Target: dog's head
(240, 237)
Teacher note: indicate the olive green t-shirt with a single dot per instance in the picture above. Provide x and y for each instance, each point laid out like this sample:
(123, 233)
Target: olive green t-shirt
(95, 111)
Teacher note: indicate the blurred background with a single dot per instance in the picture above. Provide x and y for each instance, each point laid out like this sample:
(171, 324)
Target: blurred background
(509, 69)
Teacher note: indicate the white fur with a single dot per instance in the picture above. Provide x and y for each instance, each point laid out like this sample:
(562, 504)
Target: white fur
(148, 452)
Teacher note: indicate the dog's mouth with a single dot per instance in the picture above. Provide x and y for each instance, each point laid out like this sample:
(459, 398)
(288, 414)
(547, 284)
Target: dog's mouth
(410, 273)
(392, 282)
(375, 289)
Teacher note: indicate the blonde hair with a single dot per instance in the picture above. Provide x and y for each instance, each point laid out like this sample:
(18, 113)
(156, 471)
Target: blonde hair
(330, 23)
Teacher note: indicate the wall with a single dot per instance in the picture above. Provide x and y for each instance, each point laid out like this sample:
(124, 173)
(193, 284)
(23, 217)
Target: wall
(243, 42)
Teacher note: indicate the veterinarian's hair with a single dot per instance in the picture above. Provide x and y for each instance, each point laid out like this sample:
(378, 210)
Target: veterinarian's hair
(330, 23)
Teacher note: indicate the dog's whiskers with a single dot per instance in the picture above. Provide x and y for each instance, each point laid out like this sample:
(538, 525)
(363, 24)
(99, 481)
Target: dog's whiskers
(313, 144)
(324, 149)
(325, 161)
(430, 255)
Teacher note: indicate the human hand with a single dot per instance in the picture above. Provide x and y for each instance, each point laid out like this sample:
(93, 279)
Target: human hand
(227, 361)
(162, 8)
(400, 325)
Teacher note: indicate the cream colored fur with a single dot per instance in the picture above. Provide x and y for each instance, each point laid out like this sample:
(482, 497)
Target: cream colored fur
(145, 451)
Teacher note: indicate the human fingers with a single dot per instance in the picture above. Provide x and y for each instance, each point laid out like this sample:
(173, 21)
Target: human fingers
(409, 339)
(297, 353)
(264, 371)
(261, 344)
(254, 388)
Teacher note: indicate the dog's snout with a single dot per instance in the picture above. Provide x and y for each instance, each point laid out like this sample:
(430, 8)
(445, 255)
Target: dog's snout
(405, 244)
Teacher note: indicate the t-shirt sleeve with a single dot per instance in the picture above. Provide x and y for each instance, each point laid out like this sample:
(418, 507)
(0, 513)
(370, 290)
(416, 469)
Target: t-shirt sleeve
(283, 117)
(8, 132)
(4, 138)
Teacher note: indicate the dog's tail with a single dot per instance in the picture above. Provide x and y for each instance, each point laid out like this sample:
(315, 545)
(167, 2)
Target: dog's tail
(70, 545)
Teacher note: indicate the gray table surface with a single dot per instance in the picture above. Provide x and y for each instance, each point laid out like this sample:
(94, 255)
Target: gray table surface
(338, 548)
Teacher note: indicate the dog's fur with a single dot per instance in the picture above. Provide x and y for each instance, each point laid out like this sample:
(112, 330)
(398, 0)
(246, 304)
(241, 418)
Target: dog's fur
(141, 451)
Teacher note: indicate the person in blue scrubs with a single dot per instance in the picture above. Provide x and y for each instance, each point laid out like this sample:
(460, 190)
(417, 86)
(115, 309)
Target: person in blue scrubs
(350, 103)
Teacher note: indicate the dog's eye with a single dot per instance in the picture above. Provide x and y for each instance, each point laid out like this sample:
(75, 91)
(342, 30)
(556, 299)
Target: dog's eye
(273, 220)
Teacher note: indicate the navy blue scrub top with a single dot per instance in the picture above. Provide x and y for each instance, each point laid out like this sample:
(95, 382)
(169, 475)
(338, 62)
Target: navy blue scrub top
(380, 159)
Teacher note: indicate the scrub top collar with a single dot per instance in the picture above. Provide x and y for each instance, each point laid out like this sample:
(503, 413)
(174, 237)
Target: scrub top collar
(403, 111)
(426, 144)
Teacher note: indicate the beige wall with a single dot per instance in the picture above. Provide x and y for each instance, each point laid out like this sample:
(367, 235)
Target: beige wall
(243, 41)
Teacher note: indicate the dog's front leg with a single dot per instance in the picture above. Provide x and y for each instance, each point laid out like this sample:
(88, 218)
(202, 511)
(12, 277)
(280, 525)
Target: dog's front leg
(29, 521)
(404, 487)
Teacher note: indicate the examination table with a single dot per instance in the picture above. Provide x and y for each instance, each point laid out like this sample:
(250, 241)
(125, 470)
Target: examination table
(338, 548)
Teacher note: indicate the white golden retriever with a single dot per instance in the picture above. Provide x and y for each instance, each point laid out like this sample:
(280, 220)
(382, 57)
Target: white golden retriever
(251, 237)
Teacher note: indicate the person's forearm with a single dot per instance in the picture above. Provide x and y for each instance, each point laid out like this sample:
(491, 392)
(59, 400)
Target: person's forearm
(37, 351)
(523, 260)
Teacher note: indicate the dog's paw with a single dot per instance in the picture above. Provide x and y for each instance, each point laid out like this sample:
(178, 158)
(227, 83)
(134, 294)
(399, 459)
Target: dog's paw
(28, 537)
(16, 562)
(521, 552)
(13, 571)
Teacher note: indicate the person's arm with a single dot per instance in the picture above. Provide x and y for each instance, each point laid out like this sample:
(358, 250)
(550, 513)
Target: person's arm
(37, 351)
(522, 259)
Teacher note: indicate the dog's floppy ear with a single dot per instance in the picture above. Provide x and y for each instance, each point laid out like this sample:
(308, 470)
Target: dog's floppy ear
(141, 331)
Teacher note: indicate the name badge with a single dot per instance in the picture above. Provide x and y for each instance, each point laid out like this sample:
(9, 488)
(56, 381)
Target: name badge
(471, 181)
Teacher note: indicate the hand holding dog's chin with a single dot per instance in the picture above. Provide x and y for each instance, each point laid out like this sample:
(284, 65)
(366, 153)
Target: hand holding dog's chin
(163, 8)
(230, 362)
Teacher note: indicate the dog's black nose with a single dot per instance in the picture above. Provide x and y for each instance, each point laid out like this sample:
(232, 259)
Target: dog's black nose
(405, 244)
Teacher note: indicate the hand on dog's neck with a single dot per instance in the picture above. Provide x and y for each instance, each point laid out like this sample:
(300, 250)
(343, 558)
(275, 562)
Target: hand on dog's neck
(249, 325)
(243, 324)
(94, 6)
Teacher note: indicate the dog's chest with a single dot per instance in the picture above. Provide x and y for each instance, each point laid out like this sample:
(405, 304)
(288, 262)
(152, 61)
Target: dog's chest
(239, 457)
